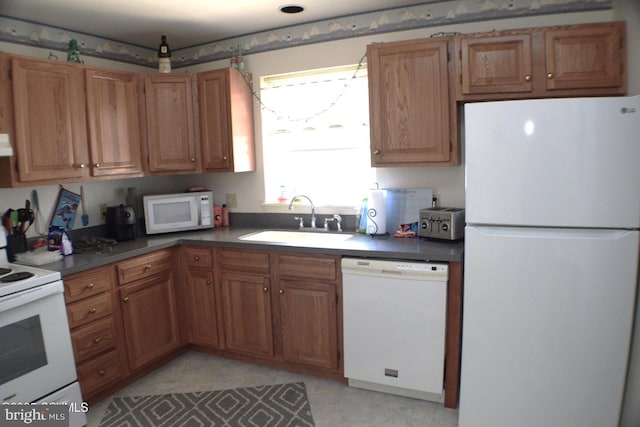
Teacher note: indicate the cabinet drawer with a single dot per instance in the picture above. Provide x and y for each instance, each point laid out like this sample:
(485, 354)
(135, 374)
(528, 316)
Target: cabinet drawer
(311, 267)
(199, 257)
(88, 309)
(143, 266)
(99, 372)
(93, 339)
(244, 260)
(87, 283)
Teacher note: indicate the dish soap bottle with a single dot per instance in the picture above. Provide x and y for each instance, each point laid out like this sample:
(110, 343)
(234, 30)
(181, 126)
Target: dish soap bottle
(164, 56)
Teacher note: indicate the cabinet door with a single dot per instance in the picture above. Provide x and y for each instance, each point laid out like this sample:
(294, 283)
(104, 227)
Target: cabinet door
(215, 132)
(409, 103)
(50, 128)
(203, 311)
(150, 319)
(170, 125)
(589, 56)
(496, 64)
(114, 131)
(247, 309)
(226, 121)
(309, 323)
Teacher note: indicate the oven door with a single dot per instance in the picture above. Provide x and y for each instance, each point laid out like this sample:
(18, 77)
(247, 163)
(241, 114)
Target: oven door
(36, 357)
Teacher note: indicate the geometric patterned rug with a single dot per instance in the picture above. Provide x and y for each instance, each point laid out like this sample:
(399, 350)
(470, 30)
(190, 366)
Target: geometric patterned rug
(282, 405)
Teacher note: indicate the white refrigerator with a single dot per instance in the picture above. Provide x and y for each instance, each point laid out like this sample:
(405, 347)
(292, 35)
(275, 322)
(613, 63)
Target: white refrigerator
(551, 261)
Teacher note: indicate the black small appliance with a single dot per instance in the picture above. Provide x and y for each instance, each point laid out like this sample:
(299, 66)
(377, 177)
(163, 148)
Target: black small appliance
(121, 223)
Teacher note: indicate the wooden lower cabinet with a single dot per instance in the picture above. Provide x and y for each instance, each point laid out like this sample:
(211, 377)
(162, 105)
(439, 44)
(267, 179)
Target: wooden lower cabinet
(150, 319)
(247, 313)
(309, 323)
(95, 323)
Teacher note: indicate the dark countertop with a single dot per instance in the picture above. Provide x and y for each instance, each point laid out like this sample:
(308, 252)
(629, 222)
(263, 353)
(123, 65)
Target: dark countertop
(359, 245)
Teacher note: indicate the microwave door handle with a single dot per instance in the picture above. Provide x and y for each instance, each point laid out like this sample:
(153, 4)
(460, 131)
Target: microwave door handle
(10, 302)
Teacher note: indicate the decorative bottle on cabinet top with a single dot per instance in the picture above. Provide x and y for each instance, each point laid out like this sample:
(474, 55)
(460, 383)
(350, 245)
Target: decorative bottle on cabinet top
(164, 56)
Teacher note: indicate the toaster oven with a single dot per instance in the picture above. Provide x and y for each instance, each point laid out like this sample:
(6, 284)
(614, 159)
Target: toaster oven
(441, 223)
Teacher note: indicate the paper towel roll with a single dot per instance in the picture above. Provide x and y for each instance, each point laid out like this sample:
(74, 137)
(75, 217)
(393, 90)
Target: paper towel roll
(377, 212)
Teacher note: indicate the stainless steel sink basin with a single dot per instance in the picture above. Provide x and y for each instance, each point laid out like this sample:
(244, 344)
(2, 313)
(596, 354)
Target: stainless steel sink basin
(297, 237)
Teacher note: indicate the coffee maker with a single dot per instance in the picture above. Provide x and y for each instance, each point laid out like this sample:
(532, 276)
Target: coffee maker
(121, 222)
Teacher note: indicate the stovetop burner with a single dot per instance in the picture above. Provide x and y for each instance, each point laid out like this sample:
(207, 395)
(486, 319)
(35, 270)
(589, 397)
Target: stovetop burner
(4, 271)
(20, 275)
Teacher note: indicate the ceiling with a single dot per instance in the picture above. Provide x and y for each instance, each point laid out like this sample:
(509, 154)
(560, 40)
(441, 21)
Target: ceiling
(185, 22)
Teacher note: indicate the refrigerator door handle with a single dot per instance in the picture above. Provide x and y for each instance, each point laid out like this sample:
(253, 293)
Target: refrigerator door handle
(551, 233)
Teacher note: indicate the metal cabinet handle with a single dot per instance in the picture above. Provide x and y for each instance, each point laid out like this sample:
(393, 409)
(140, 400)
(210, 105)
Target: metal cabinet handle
(90, 286)
(376, 152)
(208, 282)
(193, 160)
(527, 78)
(92, 310)
(147, 267)
(196, 258)
(125, 299)
(549, 75)
(97, 165)
(97, 340)
(224, 158)
(80, 166)
(265, 289)
(281, 291)
(101, 372)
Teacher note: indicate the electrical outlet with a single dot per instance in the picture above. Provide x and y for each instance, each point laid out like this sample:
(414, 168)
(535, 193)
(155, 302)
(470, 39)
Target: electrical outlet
(231, 199)
(103, 210)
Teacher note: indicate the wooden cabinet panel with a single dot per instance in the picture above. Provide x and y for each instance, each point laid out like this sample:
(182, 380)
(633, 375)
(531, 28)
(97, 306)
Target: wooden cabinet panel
(198, 257)
(87, 283)
(226, 121)
(99, 373)
(409, 103)
(113, 118)
(89, 309)
(50, 124)
(170, 123)
(144, 266)
(247, 313)
(150, 319)
(308, 267)
(585, 57)
(309, 329)
(93, 339)
(496, 64)
(244, 260)
(203, 309)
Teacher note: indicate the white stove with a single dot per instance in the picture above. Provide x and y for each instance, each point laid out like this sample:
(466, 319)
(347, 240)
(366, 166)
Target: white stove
(16, 278)
(36, 356)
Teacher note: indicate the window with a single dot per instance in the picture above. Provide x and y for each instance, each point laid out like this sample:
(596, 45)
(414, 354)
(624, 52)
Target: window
(315, 128)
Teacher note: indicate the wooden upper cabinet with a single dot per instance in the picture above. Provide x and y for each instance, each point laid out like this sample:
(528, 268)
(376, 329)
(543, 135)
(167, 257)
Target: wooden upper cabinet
(226, 121)
(113, 119)
(574, 60)
(410, 104)
(50, 124)
(589, 56)
(170, 123)
(496, 64)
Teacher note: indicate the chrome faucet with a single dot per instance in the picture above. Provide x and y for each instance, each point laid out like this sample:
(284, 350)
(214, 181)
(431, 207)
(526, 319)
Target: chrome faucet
(313, 208)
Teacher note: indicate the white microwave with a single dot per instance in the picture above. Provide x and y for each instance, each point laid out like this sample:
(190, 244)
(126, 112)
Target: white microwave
(168, 213)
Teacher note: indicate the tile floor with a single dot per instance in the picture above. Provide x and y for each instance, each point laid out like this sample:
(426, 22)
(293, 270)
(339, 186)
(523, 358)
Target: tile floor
(332, 404)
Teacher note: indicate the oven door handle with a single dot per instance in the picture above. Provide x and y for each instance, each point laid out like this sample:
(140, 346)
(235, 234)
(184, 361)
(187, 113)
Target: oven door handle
(10, 302)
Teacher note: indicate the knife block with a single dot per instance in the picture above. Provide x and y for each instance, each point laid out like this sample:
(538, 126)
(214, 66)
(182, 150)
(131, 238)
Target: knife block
(16, 244)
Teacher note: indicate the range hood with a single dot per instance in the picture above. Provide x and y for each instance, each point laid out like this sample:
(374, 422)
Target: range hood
(5, 145)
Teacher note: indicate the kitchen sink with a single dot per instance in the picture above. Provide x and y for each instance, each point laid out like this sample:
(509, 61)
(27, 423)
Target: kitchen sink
(295, 236)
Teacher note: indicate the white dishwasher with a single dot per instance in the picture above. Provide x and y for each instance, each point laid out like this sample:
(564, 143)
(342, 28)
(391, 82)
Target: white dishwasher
(394, 326)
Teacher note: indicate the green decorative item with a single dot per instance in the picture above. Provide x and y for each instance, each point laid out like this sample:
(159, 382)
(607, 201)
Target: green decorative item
(73, 53)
